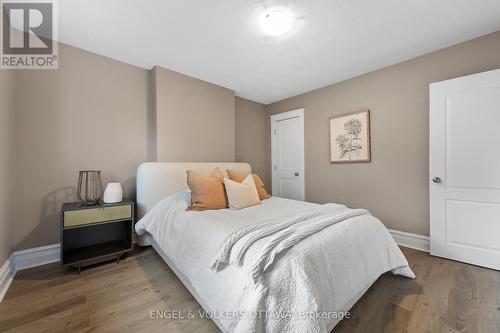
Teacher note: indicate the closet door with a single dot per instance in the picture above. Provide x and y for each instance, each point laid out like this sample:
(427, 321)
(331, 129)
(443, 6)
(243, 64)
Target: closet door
(288, 154)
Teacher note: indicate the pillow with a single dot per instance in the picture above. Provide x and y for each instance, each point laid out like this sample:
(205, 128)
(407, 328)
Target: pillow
(207, 192)
(238, 177)
(241, 195)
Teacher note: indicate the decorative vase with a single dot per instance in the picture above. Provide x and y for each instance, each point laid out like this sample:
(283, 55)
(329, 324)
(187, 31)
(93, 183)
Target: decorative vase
(89, 189)
(113, 193)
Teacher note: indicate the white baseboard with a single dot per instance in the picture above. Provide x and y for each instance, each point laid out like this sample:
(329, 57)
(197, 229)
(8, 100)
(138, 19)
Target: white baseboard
(414, 241)
(7, 272)
(24, 259)
(36, 256)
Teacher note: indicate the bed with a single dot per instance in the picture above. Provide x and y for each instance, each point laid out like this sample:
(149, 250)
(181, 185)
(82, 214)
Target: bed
(306, 285)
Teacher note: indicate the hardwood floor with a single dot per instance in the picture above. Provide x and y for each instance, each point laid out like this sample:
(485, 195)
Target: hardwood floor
(446, 296)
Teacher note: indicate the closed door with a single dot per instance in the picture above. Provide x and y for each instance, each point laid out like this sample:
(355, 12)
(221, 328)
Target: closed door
(287, 131)
(465, 169)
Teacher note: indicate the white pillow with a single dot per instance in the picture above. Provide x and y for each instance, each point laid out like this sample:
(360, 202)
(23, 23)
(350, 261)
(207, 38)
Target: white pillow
(241, 195)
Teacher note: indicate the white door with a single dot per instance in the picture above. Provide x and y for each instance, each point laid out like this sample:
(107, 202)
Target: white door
(287, 132)
(465, 169)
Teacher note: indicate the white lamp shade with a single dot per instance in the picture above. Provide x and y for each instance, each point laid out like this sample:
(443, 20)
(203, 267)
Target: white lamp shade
(113, 193)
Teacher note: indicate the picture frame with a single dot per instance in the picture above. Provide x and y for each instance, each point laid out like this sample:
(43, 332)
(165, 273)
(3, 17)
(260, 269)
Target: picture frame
(350, 140)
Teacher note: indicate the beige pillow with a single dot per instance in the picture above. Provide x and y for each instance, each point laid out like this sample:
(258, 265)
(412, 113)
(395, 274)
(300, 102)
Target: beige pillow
(207, 192)
(241, 195)
(238, 177)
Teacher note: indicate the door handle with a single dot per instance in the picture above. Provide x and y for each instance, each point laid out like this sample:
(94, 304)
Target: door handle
(296, 174)
(436, 180)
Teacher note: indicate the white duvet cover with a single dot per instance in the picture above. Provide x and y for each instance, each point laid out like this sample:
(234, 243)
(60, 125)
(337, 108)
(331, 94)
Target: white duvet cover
(306, 287)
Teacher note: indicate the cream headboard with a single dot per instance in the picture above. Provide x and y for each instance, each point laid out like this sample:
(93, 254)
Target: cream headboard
(157, 180)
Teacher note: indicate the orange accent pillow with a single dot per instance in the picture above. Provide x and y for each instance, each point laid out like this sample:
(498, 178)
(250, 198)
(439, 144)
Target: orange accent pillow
(207, 192)
(239, 177)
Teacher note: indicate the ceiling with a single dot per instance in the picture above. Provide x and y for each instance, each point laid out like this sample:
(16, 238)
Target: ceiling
(220, 41)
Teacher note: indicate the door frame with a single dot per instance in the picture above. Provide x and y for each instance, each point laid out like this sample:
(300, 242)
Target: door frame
(297, 113)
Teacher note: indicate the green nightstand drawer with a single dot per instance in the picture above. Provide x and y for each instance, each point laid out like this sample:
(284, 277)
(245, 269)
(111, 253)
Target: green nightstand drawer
(95, 215)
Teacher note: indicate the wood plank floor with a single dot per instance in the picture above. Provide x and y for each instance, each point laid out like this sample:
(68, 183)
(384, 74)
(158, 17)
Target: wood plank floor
(446, 296)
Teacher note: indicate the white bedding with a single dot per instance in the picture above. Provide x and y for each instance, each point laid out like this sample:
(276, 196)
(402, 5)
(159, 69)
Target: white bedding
(305, 287)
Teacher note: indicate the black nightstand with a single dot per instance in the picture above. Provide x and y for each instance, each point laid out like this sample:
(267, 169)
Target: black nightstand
(95, 233)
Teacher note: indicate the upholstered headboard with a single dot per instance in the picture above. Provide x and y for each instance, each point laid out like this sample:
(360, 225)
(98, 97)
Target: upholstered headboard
(157, 180)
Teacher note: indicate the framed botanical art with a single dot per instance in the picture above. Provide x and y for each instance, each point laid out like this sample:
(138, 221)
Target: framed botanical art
(350, 138)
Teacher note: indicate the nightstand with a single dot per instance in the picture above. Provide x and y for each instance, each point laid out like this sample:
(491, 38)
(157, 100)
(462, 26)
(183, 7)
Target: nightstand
(90, 234)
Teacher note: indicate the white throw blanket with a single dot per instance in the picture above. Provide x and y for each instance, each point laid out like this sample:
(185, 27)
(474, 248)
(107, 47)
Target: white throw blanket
(280, 236)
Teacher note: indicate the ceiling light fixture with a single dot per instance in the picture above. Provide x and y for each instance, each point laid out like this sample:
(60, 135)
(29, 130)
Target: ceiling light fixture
(276, 22)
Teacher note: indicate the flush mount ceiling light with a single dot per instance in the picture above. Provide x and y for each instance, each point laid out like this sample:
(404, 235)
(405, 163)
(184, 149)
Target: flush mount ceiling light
(276, 22)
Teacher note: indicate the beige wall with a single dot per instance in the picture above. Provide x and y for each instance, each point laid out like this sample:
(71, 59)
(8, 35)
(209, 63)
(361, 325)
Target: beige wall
(95, 112)
(91, 113)
(394, 186)
(98, 113)
(250, 128)
(194, 119)
(6, 154)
